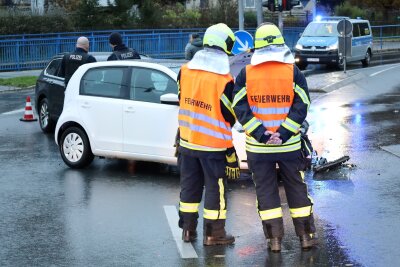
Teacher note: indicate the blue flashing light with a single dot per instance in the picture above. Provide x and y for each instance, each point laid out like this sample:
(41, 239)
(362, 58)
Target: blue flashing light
(318, 18)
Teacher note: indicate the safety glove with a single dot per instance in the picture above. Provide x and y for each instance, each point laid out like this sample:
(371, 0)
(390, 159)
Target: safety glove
(232, 164)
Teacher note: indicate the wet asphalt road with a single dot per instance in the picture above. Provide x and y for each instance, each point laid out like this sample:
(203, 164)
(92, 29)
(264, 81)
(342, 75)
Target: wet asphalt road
(112, 213)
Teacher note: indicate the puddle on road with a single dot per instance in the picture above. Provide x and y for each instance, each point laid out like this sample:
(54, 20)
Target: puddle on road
(340, 173)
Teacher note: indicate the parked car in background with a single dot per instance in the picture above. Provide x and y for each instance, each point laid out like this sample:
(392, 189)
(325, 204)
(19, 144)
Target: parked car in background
(123, 109)
(49, 91)
(319, 43)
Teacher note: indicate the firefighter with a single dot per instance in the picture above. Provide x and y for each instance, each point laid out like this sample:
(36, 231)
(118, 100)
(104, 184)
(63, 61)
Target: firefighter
(271, 101)
(206, 154)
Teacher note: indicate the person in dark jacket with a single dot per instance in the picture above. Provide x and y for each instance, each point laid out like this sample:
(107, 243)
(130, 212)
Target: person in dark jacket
(195, 44)
(120, 51)
(71, 61)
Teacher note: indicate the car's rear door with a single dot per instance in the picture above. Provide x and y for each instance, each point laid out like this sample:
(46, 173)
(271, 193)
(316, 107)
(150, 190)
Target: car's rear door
(149, 126)
(55, 88)
(102, 93)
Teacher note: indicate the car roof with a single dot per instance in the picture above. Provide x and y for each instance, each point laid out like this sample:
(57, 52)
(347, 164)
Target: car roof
(99, 56)
(337, 19)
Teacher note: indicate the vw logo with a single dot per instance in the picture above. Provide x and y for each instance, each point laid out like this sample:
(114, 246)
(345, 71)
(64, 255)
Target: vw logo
(313, 48)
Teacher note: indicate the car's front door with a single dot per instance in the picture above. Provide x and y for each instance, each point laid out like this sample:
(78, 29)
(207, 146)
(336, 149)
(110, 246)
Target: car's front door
(149, 126)
(102, 93)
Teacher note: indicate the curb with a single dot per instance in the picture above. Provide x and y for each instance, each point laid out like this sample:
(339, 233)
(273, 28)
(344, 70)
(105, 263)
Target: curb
(8, 89)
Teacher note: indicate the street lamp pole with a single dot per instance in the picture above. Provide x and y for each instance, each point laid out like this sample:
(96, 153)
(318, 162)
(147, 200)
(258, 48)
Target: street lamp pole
(259, 9)
(241, 15)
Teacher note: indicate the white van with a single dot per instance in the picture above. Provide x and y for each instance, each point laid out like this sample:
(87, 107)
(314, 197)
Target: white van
(319, 43)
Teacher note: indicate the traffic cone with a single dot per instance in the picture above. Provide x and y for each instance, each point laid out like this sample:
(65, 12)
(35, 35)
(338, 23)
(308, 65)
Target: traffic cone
(28, 116)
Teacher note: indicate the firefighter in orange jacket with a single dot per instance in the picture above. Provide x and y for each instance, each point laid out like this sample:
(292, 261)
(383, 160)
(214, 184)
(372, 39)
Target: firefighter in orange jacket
(271, 101)
(206, 154)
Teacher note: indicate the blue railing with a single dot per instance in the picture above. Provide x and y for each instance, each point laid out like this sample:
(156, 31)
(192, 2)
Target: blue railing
(32, 51)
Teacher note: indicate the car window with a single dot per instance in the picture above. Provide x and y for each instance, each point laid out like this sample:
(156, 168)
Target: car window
(364, 29)
(53, 67)
(149, 84)
(104, 82)
(321, 30)
(356, 30)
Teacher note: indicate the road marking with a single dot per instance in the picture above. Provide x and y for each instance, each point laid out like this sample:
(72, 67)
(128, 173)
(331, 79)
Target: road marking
(326, 86)
(379, 72)
(185, 249)
(14, 111)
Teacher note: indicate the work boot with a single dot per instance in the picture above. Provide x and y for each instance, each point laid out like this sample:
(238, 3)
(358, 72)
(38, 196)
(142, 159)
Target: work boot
(274, 244)
(308, 241)
(189, 236)
(225, 239)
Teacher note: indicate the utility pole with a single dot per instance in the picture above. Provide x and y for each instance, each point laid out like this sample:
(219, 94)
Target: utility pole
(241, 15)
(280, 21)
(314, 9)
(259, 9)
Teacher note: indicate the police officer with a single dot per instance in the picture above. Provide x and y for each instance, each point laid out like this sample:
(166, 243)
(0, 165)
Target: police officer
(71, 61)
(271, 101)
(120, 51)
(206, 154)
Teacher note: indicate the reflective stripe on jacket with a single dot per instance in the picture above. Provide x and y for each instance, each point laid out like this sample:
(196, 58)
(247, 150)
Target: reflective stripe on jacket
(201, 123)
(270, 95)
(270, 92)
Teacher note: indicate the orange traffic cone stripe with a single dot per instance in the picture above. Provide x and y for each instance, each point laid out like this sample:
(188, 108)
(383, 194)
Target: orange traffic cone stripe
(28, 115)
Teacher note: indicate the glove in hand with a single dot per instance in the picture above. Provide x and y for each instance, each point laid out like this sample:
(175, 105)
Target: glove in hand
(232, 169)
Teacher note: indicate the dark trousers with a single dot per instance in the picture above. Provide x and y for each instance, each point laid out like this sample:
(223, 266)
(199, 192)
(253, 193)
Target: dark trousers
(269, 204)
(198, 173)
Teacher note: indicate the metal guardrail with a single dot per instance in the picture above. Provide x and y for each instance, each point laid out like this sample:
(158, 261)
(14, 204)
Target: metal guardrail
(32, 51)
(386, 37)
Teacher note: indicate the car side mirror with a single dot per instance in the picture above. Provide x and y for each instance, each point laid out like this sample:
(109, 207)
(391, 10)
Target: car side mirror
(300, 34)
(169, 99)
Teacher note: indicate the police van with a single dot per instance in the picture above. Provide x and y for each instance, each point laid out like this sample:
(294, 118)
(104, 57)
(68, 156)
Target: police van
(319, 43)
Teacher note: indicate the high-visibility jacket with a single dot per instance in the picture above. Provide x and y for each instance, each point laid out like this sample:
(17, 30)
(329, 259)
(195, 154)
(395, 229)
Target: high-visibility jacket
(201, 122)
(270, 92)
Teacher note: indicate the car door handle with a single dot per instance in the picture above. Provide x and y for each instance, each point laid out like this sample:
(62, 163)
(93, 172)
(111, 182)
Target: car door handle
(85, 105)
(129, 110)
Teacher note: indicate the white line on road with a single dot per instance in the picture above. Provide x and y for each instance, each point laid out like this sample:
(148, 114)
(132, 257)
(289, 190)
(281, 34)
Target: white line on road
(14, 111)
(379, 72)
(185, 249)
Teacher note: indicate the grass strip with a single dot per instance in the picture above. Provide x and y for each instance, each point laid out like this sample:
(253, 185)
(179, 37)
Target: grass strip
(22, 82)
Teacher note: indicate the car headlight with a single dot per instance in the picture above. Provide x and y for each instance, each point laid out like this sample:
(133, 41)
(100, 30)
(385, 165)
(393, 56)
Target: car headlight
(333, 46)
(299, 46)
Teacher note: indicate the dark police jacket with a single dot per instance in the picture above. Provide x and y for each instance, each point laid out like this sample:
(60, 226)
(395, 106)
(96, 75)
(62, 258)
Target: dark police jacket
(121, 52)
(71, 62)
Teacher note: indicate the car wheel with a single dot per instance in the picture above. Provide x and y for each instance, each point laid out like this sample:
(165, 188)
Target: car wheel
(365, 62)
(45, 122)
(75, 148)
(340, 64)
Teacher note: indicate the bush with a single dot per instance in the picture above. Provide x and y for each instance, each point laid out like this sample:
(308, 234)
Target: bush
(177, 16)
(250, 19)
(20, 24)
(349, 10)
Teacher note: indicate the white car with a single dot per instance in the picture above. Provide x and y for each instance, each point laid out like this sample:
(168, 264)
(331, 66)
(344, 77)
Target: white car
(123, 109)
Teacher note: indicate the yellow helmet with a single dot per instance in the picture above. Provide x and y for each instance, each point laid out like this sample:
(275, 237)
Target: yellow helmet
(268, 34)
(221, 36)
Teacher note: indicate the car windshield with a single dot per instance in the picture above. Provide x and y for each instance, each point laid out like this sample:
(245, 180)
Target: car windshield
(321, 30)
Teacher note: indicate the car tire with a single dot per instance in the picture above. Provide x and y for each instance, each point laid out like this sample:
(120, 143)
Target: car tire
(46, 123)
(367, 60)
(340, 64)
(75, 148)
